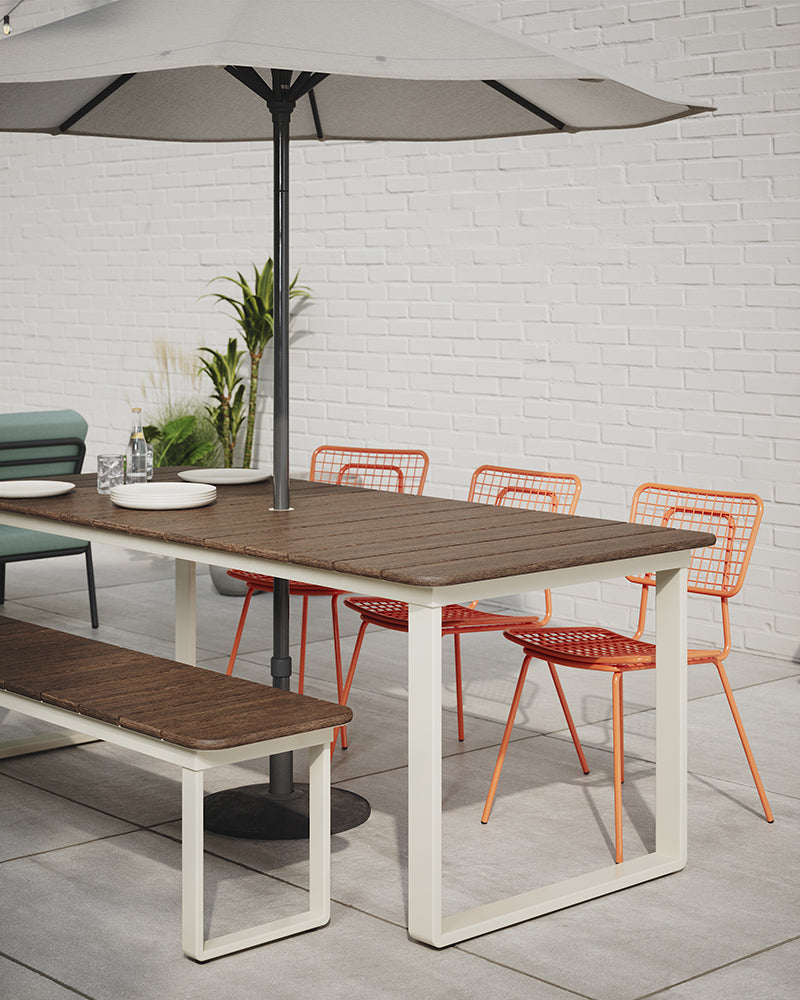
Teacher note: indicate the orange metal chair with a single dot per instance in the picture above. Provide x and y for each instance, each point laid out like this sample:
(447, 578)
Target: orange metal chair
(491, 484)
(395, 470)
(715, 571)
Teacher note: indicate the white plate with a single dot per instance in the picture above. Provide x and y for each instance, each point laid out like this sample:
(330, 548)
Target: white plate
(20, 489)
(224, 477)
(162, 496)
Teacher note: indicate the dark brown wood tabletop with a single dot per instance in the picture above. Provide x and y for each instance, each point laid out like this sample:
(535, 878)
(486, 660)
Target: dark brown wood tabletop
(422, 541)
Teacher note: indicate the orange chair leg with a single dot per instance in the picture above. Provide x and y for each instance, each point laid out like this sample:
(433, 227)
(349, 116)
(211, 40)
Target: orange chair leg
(301, 675)
(616, 685)
(745, 744)
(459, 695)
(501, 756)
(621, 735)
(239, 630)
(568, 716)
(350, 674)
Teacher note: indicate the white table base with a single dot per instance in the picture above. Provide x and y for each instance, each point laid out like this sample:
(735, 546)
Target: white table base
(425, 919)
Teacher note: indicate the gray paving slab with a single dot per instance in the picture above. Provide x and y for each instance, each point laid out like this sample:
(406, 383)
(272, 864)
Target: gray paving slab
(771, 973)
(22, 983)
(104, 919)
(117, 782)
(735, 897)
(35, 821)
(769, 711)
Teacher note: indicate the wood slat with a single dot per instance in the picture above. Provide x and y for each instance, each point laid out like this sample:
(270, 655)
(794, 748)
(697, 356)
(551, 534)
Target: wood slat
(501, 556)
(188, 706)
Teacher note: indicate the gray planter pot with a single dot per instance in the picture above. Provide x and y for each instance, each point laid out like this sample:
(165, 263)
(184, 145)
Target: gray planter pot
(226, 585)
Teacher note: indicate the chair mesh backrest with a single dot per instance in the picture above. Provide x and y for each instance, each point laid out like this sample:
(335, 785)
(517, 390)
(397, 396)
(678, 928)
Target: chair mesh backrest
(394, 470)
(717, 570)
(551, 491)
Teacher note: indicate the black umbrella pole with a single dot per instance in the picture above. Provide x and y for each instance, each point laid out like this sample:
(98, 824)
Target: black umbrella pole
(281, 765)
(279, 811)
(281, 115)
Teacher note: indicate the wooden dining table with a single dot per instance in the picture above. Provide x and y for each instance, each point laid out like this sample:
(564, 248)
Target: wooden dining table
(429, 552)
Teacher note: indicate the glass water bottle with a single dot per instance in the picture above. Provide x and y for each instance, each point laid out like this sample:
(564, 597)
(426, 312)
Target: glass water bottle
(136, 471)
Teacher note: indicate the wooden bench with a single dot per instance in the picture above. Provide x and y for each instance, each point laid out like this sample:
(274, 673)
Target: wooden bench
(195, 718)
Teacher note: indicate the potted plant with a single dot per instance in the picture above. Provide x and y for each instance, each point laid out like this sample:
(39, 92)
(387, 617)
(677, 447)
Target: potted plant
(253, 309)
(254, 313)
(227, 415)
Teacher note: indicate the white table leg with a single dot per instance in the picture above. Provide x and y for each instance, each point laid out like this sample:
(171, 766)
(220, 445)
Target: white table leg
(425, 773)
(425, 919)
(671, 713)
(185, 612)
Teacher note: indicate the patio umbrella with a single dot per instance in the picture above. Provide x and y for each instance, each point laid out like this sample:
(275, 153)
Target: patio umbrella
(203, 70)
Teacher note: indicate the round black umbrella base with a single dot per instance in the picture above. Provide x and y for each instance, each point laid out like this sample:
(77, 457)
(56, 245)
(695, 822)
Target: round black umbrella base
(253, 813)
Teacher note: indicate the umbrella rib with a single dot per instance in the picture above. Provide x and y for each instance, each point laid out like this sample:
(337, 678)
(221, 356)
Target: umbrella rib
(248, 76)
(304, 83)
(91, 105)
(312, 98)
(523, 102)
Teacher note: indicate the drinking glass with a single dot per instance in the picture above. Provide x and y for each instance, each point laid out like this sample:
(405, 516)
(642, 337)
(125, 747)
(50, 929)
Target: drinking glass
(110, 472)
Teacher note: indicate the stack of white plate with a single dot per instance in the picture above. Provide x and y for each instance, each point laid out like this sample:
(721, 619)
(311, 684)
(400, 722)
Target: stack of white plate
(162, 496)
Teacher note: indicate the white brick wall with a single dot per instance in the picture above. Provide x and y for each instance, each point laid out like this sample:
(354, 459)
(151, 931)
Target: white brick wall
(623, 305)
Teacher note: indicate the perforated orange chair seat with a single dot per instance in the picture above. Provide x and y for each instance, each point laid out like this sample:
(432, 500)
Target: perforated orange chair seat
(599, 647)
(455, 617)
(715, 571)
(258, 581)
(596, 648)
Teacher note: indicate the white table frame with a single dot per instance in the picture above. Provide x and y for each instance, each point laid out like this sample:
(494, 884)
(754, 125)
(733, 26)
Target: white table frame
(426, 921)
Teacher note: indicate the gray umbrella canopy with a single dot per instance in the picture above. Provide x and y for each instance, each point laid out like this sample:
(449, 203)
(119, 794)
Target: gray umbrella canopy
(203, 70)
(395, 69)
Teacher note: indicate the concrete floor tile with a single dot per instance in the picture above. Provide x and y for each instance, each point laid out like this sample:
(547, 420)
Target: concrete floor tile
(118, 782)
(769, 712)
(35, 821)
(21, 983)
(772, 973)
(115, 933)
(735, 897)
(15, 726)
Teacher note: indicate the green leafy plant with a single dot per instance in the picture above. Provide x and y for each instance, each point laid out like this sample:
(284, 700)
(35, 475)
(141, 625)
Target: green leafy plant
(228, 415)
(254, 313)
(183, 439)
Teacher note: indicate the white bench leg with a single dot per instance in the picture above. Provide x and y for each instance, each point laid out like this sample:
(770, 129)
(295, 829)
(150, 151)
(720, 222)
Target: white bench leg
(318, 912)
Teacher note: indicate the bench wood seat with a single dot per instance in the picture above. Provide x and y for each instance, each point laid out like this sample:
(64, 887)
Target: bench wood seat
(192, 717)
